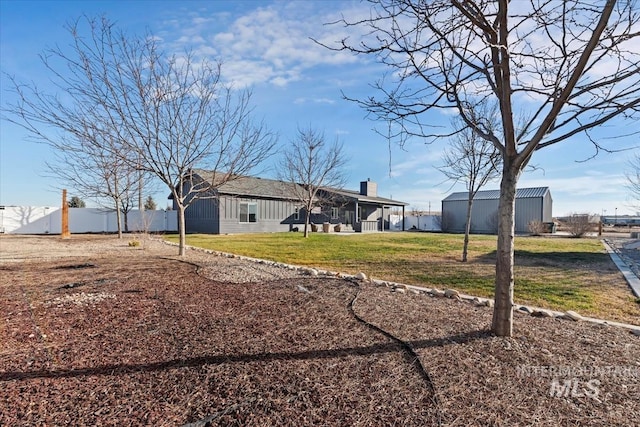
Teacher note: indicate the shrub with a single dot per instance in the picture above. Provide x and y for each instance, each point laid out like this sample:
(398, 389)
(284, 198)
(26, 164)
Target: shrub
(445, 221)
(536, 227)
(134, 243)
(578, 224)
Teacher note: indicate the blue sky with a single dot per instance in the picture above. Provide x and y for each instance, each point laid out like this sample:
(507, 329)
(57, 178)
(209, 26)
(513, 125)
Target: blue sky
(265, 45)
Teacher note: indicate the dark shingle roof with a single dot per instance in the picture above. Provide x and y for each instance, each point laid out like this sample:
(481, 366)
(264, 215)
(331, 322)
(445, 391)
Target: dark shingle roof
(521, 193)
(251, 186)
(269, 188)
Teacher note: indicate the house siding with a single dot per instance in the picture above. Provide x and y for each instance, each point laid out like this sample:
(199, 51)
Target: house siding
(275, 207)
(270, 214)
(202, 217)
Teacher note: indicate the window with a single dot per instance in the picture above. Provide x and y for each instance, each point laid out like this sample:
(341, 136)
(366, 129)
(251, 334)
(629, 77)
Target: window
(296, 214)
(248, 212)
(335, 213)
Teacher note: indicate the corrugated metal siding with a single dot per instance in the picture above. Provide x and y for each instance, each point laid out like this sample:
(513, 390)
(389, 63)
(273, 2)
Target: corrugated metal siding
(454, 215)
(547, 214)
(527, 210)
(483, 216)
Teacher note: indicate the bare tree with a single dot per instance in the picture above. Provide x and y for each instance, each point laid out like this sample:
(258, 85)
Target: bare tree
(312, 164)
(472, 160)
(556, 69)
(90, 166)
(169, 113)
(633, 178)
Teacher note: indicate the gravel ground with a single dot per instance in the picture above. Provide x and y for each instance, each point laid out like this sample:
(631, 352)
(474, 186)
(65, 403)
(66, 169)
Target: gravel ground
(17, 249)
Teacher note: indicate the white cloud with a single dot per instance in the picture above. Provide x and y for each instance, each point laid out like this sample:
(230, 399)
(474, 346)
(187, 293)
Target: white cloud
(269, 44)
(420, 160)
(302, 100)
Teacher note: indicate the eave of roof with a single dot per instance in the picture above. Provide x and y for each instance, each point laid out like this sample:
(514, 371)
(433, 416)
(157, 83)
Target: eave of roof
(521, 193)
(362, 198)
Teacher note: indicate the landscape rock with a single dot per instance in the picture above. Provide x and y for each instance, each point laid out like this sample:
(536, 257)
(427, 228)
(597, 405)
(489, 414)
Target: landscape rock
(452, 293)
(399, 290)
(573, 316)
(542, 313)
(361, 276)
(636, 332)
(437, 293)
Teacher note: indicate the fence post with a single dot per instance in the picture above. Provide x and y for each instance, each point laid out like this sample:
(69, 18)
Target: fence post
(64, 233)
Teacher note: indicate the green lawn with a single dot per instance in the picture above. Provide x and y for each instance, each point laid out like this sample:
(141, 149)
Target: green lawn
(556, 273)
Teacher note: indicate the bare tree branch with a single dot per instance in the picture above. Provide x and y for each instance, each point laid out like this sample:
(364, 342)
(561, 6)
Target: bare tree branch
(472, 160)
(556, 69)
(166, 115)
(312, 164)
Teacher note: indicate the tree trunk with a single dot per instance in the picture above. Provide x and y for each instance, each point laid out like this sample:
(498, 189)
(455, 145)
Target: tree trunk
(118, 218)
(307, 217)
(467, 229)
(126, 220)
(502, 324)
(181, 230)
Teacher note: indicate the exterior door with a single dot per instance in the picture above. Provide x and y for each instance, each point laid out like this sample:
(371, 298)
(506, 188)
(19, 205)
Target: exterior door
(350, 217)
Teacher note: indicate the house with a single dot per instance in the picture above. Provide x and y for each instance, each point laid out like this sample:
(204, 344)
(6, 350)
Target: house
(253, 205)
(532, 204)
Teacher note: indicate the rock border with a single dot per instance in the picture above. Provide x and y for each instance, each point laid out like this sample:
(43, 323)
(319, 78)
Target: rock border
(403, 288)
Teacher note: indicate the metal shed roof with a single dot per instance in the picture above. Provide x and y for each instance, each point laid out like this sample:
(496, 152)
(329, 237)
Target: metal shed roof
(521, 193)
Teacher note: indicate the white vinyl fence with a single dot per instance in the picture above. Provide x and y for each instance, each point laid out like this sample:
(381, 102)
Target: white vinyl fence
(47, 220)
(422, 222)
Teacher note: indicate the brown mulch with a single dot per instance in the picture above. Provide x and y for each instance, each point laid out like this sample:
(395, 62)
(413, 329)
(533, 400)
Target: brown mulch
(149, 340)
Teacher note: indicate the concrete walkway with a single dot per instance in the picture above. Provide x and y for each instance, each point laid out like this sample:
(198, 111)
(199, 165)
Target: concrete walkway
(626, 271)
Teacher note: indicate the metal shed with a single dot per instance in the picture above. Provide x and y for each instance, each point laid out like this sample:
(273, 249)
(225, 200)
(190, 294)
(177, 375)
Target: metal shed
(531, 204)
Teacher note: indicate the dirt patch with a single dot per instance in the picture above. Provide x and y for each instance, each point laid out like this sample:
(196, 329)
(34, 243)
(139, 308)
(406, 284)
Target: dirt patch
(152, 340)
